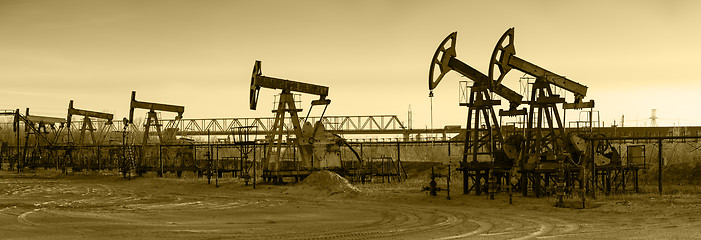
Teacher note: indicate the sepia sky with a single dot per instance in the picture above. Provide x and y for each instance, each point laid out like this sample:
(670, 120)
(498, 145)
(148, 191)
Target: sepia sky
(373, 55)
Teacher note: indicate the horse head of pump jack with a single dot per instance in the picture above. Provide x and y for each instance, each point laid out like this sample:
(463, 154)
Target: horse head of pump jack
(441, 59)
(500, 57)
(255, 89)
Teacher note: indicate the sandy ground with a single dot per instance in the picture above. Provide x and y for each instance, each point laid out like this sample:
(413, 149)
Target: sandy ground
(104, 206)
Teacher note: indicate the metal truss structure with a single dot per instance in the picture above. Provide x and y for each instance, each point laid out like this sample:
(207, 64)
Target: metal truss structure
(377, 124)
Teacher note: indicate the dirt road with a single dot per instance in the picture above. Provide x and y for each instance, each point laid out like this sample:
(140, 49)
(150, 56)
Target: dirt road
(70, 207)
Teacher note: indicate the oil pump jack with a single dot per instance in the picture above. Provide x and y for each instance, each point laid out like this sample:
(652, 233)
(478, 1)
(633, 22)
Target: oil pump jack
(15, 128)
(547, 148)
(487, 142)
(87, 122)
(87, 126)
(151, 120)
(152, 117)
(39, 127)
(318, 149)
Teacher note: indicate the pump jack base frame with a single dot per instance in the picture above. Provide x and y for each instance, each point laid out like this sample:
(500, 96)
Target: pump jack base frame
(542, 179)
(476, 176)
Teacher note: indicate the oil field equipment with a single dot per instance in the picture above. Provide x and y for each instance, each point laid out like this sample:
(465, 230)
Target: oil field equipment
(152, 117)
(46, 132)
(86, 160)
(433, 187)
(485, 143)
(7, 156)
(245, 166)
(318, 149)
(87, 122)
(151, 120)
(548, 149)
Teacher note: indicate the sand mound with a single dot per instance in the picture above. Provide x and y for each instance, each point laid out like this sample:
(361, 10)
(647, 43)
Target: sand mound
(324, 183)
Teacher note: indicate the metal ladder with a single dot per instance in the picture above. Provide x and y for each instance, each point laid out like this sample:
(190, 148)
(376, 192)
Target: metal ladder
(129, 162)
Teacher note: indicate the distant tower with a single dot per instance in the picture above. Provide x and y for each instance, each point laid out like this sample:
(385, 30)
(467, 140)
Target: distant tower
(653, 118)
(623, 118)
(409, 118)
